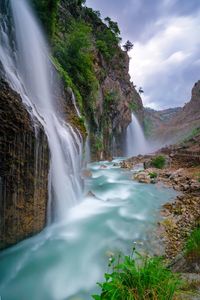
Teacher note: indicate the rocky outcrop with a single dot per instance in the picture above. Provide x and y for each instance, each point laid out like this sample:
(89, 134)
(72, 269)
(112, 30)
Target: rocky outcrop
(24, 164)
(180, 122)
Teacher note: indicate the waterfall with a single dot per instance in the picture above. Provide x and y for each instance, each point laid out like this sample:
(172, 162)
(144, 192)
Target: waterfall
(135, 140)
(27, 67)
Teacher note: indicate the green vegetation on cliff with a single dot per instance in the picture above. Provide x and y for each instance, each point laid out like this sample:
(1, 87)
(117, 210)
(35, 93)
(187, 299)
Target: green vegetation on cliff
(87, 55)
(48, 19)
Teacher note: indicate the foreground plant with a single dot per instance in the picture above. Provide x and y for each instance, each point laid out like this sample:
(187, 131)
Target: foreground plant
(192, 247)
(140, 279)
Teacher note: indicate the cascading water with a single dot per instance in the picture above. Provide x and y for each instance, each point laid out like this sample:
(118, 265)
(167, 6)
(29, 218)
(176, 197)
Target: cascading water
(135, 140)
(29, 72)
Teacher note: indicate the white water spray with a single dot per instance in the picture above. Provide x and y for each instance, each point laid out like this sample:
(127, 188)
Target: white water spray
(29, 72)
(135, 140)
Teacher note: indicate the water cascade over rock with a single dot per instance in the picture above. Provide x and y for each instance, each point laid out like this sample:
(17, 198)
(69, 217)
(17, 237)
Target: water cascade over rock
(27, 68)
(135, 140)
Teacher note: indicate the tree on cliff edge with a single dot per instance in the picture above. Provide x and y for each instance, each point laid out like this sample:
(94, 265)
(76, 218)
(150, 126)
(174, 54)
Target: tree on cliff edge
(128, 46)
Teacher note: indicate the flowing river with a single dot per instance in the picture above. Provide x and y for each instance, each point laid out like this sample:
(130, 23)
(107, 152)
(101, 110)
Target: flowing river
(67, 259)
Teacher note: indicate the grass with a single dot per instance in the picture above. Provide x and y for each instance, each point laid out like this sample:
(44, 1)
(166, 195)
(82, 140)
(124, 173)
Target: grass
(144, 278)
(158, 162)
(192, 247)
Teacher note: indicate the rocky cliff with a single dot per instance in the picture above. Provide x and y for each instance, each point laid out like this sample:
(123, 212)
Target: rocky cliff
(24, 160)
(87, 54)
(157, 119)
(179, 124)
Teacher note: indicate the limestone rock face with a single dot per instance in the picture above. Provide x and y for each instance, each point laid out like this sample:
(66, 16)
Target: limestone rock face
(179, 121)
(24, 165)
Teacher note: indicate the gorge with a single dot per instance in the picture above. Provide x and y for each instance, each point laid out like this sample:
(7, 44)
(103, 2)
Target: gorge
(68, 115)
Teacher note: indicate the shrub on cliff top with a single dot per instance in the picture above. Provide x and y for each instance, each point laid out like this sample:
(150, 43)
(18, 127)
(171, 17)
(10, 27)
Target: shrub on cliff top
(145, 279)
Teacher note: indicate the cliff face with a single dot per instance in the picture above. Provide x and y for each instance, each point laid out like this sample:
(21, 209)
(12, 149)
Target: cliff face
(23, 171)
(116, 94)
(154, 120)
(181, 122)
(88, 57)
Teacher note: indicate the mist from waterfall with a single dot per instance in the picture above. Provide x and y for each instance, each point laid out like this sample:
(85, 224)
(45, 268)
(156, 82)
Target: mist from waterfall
(27, 67)
(135, 140)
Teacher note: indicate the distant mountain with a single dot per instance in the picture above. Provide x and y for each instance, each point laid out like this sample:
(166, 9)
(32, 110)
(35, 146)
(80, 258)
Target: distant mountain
(174, 124)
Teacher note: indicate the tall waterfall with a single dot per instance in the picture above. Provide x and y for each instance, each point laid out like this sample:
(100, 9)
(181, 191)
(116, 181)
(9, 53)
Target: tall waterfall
(25, 60)
(135, 140)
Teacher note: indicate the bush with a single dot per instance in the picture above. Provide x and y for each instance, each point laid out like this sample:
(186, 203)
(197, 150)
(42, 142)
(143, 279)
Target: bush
(158, 162)
(192, 247)
(153, 175)
(145, 279)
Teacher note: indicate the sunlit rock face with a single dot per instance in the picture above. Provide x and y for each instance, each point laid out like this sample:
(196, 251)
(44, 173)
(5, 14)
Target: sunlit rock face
(24, 165)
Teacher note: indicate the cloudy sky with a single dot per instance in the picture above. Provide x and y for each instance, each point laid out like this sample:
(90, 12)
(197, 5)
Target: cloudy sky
(165, 60)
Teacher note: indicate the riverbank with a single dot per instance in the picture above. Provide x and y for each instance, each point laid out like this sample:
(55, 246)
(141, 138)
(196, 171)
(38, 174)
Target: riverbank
(183, 213)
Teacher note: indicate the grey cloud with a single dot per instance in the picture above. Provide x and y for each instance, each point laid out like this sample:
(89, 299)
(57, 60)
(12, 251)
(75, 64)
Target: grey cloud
(138, 18)
(173, 87)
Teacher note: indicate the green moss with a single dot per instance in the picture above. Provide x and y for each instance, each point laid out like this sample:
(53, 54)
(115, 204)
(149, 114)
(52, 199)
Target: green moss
(68, 81)
(79, 123)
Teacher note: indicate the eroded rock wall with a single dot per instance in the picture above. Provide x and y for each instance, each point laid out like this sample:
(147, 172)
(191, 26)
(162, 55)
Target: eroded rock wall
(24, 165)
(117, 98)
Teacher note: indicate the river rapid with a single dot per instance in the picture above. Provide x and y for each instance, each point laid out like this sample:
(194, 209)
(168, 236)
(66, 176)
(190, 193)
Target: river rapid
(67, 259)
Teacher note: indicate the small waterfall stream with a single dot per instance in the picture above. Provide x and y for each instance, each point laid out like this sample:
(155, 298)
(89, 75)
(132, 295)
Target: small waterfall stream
(29, 71)
(135, 140)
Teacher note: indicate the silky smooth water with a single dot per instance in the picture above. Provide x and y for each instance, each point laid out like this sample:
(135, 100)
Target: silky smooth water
(66, 260)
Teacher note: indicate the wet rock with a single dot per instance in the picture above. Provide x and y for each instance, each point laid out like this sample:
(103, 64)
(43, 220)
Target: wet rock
(24, 165)
(142, 177)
